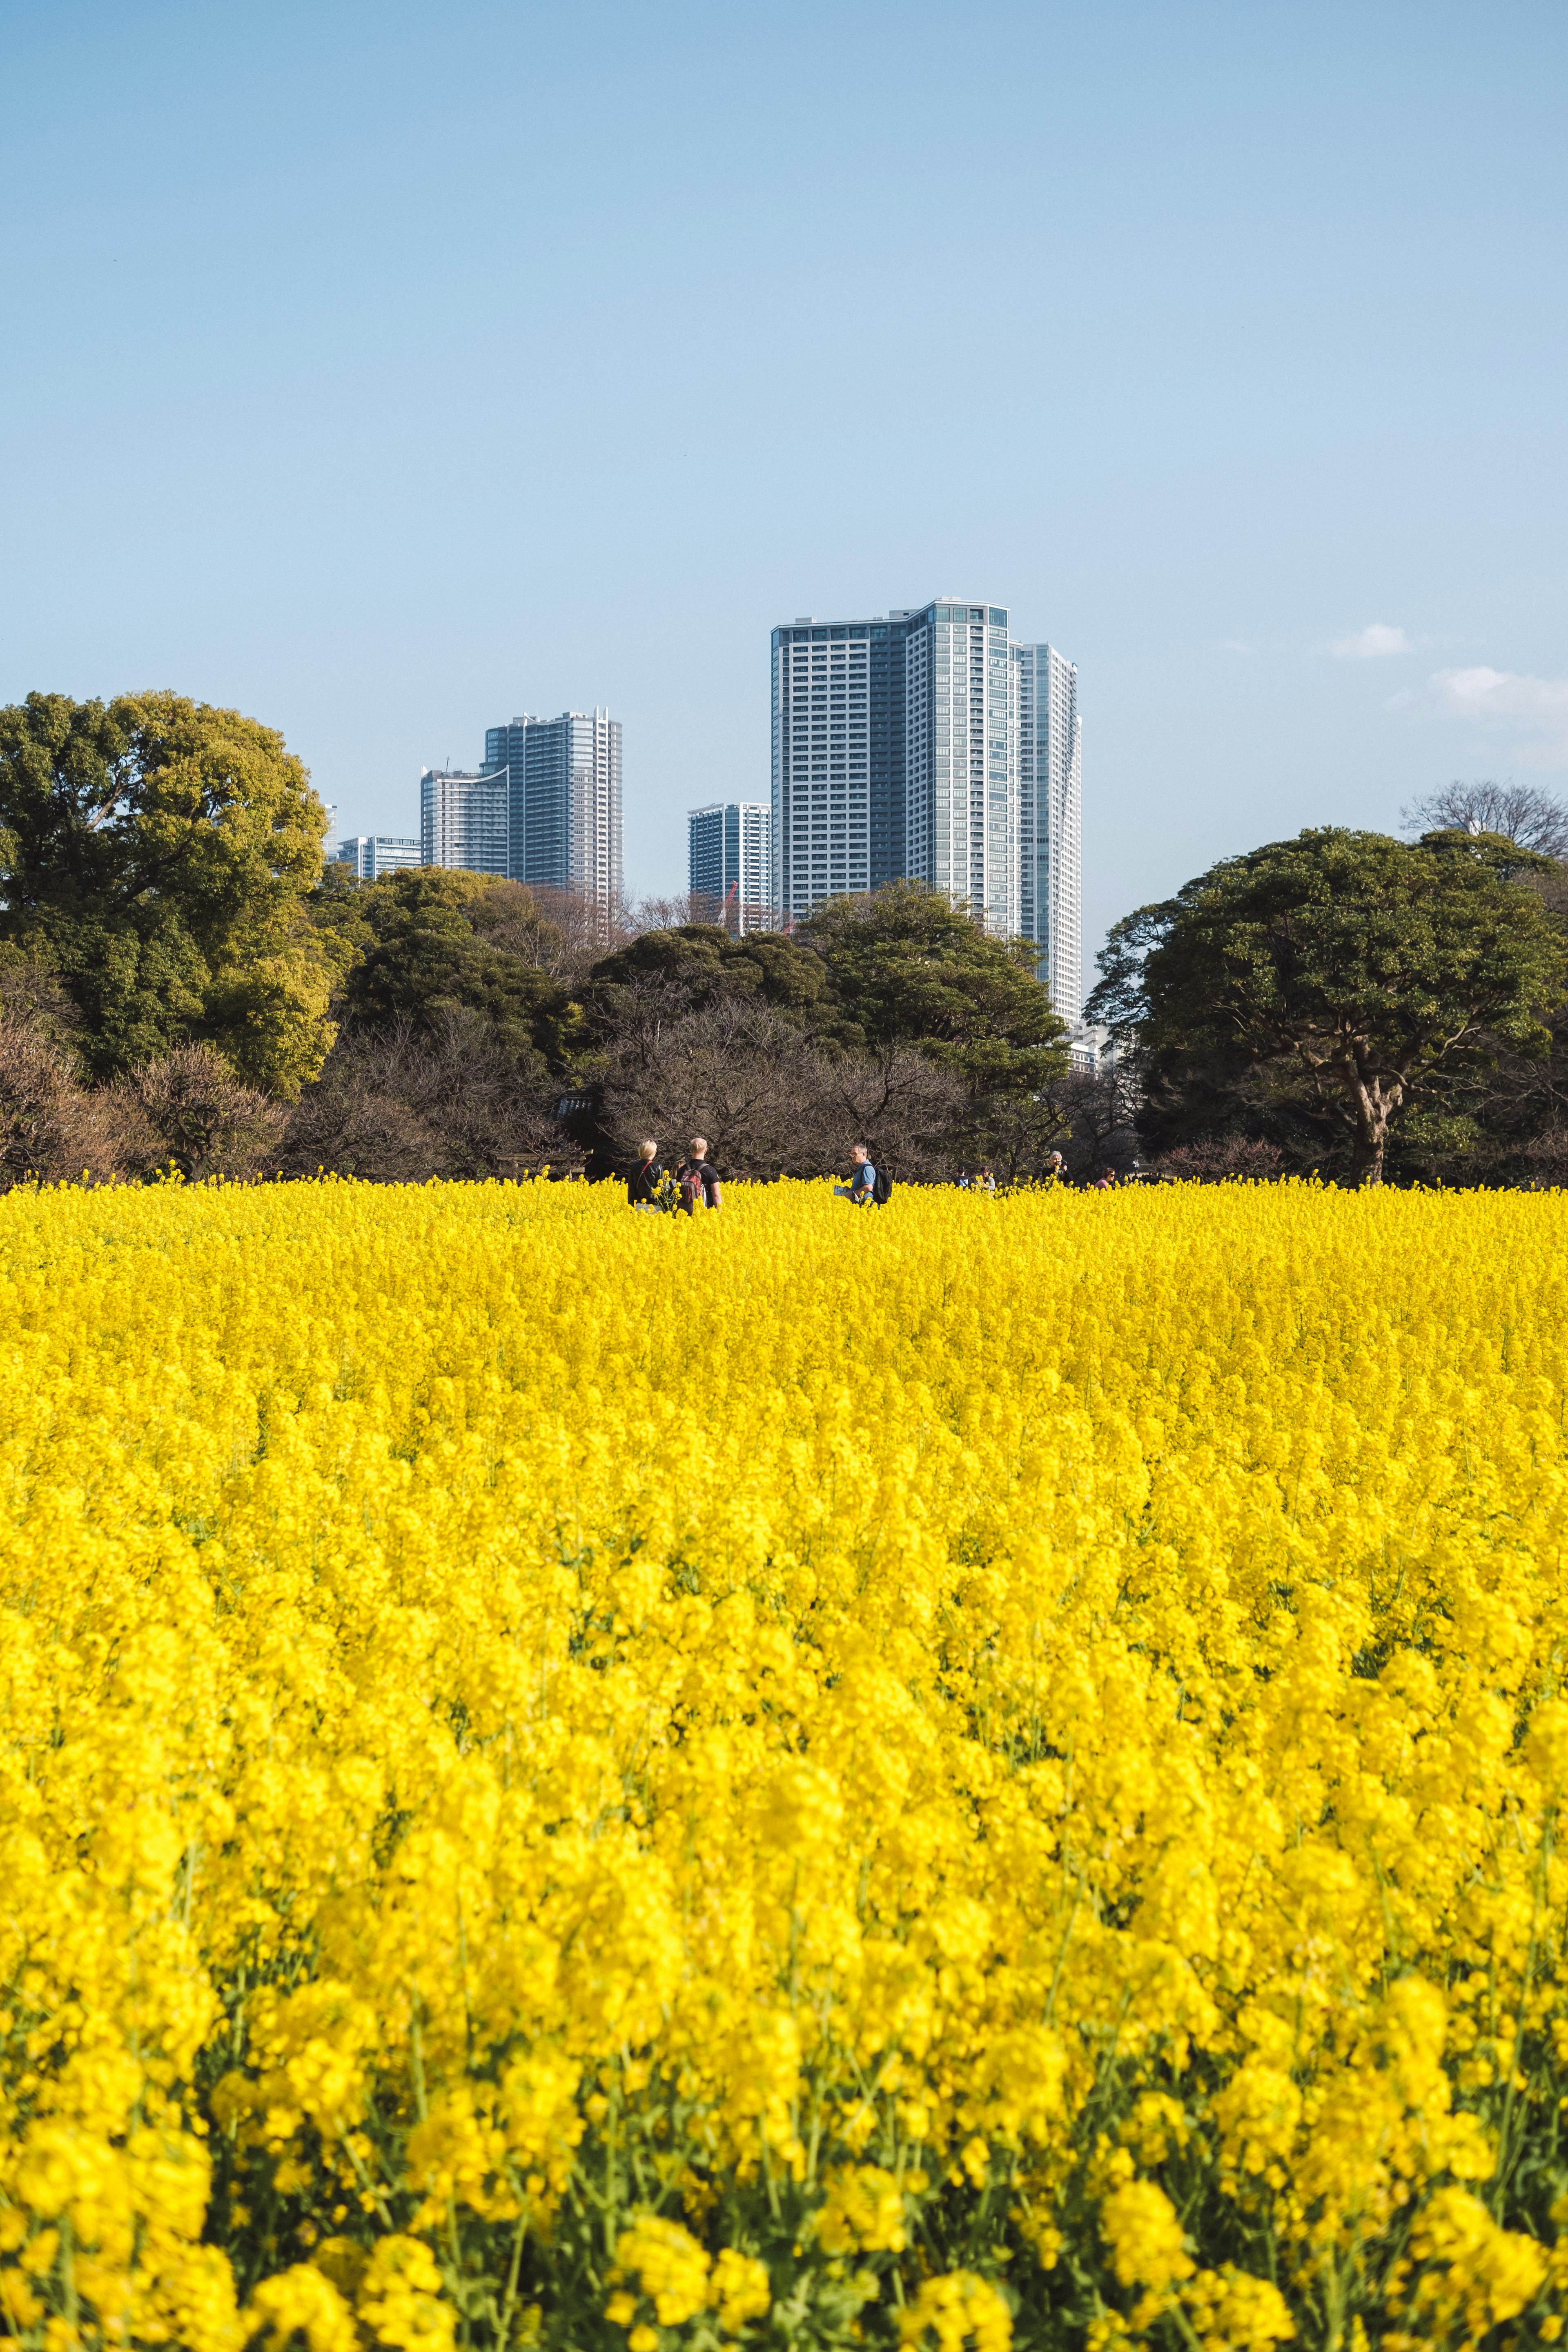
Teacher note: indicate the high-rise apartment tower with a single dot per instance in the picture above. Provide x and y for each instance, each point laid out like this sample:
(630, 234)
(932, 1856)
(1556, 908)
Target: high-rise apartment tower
(1050, 822)
(463, 820)
(562, 780)
(900, 746)
(729, 862)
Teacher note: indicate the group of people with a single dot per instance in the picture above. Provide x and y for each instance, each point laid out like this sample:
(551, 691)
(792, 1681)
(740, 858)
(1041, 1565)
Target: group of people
(697, 1181)
(654, 1186)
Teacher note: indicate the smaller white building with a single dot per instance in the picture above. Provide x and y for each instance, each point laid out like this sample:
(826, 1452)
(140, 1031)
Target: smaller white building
(373, 853)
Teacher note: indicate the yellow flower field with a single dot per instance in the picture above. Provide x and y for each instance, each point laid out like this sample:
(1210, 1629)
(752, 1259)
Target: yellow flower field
(981, 1772)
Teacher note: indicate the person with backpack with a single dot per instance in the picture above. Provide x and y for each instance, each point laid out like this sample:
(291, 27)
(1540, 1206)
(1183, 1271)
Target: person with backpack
(643, 1186)
(868, 1188)
(699, 1179)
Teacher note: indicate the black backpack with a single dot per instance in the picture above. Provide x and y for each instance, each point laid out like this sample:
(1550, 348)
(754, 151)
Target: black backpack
(881, 1188)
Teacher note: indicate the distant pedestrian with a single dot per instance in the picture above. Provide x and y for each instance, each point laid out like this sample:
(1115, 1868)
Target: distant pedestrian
(986, 1179)
(1056, 1166)
(861, 1190)
(644, 1188)
(699, 1179)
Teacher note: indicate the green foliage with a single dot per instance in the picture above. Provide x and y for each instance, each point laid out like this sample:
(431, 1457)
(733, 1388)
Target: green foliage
(429, 943)
(155, 855)
(698, 961)
(1336, 977)
(909, 967)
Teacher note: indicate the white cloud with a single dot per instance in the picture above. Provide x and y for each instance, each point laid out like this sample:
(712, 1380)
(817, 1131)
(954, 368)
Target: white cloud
(1371, 643)
(1486, 693)
(1531, 713)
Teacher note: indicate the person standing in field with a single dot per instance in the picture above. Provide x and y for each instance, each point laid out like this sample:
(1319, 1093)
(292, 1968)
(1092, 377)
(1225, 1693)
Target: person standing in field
(699, 1179)
(642, 1189)
(861, 1190)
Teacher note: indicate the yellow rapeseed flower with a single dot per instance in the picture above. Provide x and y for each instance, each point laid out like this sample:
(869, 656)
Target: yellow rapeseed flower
(779, 1776)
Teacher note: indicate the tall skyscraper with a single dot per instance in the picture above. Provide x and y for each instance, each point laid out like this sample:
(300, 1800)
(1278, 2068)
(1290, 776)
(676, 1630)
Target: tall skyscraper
(899, 748)
(1050, 822)
(463, 820)
(823, 743)
(730, 851)
(372, 854)
(961, 768)
(562, 780)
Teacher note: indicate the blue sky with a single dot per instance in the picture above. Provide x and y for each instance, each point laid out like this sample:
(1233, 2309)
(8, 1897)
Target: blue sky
(384, 370)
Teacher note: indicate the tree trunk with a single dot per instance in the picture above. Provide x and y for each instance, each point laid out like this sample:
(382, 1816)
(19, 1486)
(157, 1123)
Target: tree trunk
(1376, 1100)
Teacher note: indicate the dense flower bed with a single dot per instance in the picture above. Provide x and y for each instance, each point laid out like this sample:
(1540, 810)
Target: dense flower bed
(801, 1777)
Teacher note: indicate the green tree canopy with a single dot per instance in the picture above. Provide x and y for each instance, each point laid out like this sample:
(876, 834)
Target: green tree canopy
(910, 968)
(429, 943)
(156, 853)
(1354, 966)
(701, 961)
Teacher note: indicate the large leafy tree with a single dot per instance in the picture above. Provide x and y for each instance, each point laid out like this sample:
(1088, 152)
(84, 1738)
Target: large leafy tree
(694, 963)
(430, 944)
(907, 967)
(155, 855)
(1348, 970)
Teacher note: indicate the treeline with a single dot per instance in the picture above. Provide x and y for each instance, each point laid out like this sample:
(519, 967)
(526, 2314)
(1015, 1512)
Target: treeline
(1378, 1010)
(182, 986)
(481, 1028)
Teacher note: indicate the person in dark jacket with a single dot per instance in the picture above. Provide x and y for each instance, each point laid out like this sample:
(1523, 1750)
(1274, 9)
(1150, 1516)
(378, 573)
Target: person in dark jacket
(699, 1179)
(642, 1189)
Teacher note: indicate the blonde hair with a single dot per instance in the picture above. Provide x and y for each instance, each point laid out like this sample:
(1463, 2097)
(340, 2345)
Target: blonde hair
(699, 1143)
(648, 1148)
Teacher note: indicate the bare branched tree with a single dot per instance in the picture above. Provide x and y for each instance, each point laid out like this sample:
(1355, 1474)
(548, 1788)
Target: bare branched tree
(51, 1127)
(189, 1111)
(1250, 1157)
(767, 1100)
(669, 914)
(1525, 814)
(401, 1104)
(357, 1119)
(731, 1070)
(905, 1108)
(1098, 1107)
(1016, 1134)
(556, 931)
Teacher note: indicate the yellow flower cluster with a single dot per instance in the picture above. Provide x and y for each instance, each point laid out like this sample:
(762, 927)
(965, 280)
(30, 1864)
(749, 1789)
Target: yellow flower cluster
(982, 1773)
